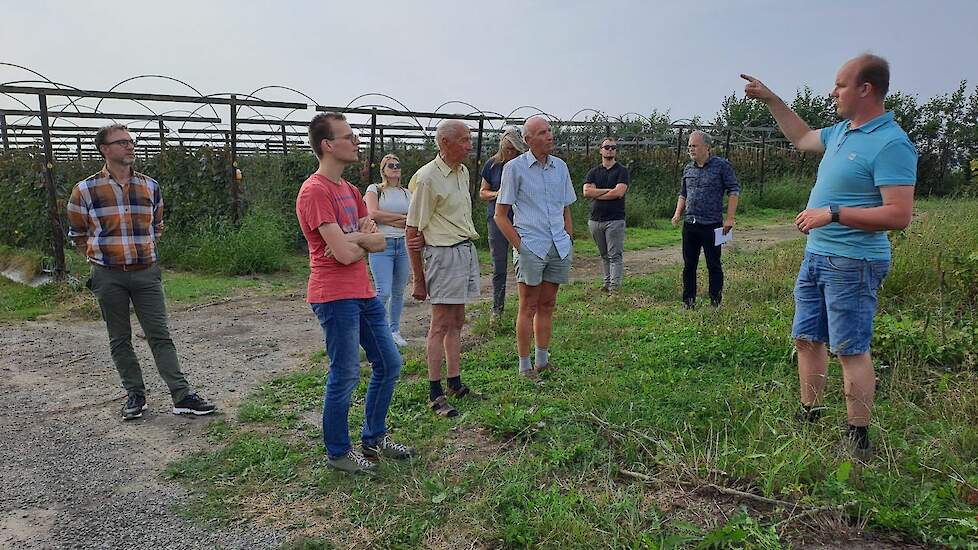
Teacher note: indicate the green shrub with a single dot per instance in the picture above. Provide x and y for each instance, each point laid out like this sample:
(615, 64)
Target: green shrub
(214, 245)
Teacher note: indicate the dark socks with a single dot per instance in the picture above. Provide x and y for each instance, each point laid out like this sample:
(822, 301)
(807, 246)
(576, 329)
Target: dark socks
(859, 434)
(435, 391)
(455, 382)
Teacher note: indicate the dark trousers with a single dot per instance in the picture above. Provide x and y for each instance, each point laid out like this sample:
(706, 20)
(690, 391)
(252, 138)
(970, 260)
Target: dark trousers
(115, 290)
(698, 236)
(500, 260)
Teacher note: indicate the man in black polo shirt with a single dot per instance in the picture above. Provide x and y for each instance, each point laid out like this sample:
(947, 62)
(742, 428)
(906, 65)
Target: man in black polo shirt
(606, 185)
(705, 179)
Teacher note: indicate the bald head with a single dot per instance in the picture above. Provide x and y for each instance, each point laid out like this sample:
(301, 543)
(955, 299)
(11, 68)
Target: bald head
(538, 135)
(871, 69)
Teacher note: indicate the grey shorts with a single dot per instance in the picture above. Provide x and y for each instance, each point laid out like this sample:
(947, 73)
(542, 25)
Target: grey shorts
(451, 273)
(532, 270)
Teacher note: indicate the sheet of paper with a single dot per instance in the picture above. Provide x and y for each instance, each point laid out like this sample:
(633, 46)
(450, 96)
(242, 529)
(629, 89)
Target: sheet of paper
(719, 238)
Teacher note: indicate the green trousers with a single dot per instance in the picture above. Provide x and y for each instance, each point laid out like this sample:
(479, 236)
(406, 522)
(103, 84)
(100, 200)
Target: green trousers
(144, 289)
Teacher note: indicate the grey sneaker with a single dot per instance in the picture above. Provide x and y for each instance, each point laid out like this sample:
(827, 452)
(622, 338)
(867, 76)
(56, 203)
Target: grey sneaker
(399, 340)
(386, 448)
(134, 407)
(352, 463)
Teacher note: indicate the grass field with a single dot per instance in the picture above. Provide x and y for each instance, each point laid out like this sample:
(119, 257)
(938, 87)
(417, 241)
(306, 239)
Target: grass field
(651, 402)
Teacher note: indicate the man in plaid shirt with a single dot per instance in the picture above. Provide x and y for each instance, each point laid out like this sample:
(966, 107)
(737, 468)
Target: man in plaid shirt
(115, 217)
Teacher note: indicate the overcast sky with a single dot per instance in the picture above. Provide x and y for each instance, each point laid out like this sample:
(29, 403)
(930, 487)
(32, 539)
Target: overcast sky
(560, 56)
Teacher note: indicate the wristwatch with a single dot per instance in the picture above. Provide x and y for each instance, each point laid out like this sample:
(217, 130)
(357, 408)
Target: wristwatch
(834, 209)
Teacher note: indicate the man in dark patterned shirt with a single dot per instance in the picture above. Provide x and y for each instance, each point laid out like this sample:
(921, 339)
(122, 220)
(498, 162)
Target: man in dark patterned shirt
(705, 179)
(115, 217)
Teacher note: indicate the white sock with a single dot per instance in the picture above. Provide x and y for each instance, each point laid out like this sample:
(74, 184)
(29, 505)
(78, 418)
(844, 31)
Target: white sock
(542, 357)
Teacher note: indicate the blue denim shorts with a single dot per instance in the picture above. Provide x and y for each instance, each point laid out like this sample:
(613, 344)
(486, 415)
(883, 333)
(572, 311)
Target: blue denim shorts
(835, 301)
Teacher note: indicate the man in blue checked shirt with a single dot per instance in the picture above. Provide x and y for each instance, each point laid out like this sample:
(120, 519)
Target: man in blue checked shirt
(705, 180)
(864, 188)
(537, 185)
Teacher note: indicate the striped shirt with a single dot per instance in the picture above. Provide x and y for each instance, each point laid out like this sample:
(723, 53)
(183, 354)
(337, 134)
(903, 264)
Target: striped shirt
(538, 193)
(120, 222)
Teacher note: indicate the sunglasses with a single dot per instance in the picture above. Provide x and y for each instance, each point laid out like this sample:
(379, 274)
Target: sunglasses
(393, 165)
(609, 147)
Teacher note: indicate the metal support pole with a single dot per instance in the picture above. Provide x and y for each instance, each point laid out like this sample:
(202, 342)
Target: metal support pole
(679, 145)
(3, 132)
(478, 151)
(235, 188)
(726, 145)
(57, 234)
(78, 145)
(763, 157)
(373, 144)
(382, 146)
(162, 135)
(285, 142)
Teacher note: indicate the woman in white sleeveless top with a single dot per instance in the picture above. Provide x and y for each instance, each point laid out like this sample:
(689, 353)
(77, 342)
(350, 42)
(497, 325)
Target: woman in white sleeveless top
(388, 203)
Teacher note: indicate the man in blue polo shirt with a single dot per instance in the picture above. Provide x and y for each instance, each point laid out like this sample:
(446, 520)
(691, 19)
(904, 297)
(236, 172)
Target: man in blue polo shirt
(864, 188)
(537, 185)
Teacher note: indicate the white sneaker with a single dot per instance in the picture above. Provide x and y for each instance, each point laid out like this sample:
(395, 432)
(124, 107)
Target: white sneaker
(398, 339)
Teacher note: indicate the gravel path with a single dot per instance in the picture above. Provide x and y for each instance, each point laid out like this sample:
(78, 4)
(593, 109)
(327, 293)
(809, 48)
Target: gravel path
(75, 476)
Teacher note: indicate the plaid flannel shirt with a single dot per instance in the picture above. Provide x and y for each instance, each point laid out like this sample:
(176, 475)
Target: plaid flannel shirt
(118, 222)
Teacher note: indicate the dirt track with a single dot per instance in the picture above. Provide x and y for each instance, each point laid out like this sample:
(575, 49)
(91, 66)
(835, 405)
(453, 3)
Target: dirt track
(75, 476)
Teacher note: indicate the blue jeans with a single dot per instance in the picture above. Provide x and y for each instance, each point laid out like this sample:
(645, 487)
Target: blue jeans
(835, 301)
(348, 325)
(390, 269)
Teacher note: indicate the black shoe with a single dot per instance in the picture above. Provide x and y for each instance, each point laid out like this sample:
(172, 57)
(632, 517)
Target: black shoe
(193, 404)
(134, 407)
(860, 449)
(808, 415)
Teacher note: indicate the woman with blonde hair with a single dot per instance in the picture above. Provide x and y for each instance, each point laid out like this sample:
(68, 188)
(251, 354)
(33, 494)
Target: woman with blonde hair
(387, 202)
(511, 145)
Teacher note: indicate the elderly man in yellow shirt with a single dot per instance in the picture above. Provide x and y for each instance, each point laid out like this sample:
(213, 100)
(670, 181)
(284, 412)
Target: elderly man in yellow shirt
(440, 232)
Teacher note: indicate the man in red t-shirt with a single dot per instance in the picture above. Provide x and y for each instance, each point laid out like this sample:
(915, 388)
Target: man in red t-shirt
(339, 232)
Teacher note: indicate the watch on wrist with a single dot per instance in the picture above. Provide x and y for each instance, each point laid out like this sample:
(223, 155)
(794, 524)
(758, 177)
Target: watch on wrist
(834, 209)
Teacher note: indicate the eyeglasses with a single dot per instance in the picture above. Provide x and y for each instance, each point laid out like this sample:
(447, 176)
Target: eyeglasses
(609, 147)
(123, 142)
(352, 138)
(393, 165)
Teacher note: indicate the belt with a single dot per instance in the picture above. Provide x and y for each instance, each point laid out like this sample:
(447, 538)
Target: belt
(126, 267)
(460, 243)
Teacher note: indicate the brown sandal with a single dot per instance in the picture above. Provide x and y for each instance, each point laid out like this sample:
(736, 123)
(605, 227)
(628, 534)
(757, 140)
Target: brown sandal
(549, 367)
(442, 407)
(460, 392)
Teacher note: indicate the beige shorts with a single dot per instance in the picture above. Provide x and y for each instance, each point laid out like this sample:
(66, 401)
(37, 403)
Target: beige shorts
(451, 273)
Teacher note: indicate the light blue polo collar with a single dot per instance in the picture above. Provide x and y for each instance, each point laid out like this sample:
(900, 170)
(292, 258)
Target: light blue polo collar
(874, 123)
